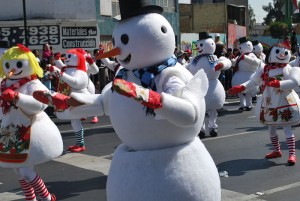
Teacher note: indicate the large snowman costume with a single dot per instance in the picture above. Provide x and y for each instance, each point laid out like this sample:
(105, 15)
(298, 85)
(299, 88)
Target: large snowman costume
(28, 136)
(206, 60)
(244, 67)
(279, 104)
(161, 157)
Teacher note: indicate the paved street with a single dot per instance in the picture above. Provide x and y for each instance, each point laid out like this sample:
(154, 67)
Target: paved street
(239, 149)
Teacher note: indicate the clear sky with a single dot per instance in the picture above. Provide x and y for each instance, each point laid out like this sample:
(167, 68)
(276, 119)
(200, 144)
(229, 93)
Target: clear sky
(257, 7)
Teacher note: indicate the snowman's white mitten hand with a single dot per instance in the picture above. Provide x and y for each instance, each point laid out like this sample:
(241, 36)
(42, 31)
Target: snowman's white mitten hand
(142, 95)
(55, 71)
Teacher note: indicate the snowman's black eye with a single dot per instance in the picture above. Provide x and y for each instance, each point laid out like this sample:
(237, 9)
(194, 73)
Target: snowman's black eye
(124, 39)
(201, 44)
(19, 64)
(277, 51)
(163, 29)
(7, 65)
(286, 53)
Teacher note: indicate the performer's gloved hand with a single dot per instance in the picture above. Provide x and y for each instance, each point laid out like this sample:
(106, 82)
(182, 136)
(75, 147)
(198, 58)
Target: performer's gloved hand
(236, 89)
(57, 56)
(10, 95)
(219, 66)
(55, 71)
(273, 83)
(89, 60)
(57, 100)
(142, 95)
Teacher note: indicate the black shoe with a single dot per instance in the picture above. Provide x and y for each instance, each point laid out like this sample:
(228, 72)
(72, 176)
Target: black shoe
(241, 109)
(201, 135)
(248, 108)
(213, 132)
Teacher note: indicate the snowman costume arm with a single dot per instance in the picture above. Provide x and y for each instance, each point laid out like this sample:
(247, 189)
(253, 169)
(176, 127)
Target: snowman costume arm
(95, 104)
(92, 68)
(26, 101)
(252, 59)
(181, 106)
(226, 63)
(78, 80)
(293, 79)
(109, 64)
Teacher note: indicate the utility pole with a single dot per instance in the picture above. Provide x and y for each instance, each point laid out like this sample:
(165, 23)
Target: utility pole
(288, 13)
(25, 23)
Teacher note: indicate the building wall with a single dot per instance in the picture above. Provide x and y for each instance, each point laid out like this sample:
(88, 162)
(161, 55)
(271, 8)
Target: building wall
(49, 9)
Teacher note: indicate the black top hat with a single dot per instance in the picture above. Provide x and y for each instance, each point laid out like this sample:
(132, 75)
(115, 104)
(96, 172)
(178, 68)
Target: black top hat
(131, 8)
(255, 42)
(204, 35)
(242, 40)
(4, 44)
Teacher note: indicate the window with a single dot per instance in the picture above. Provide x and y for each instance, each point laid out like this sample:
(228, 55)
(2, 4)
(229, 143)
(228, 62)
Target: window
(115, 8)
(169, 6)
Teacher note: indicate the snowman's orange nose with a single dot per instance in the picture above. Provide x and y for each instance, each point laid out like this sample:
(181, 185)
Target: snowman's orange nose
(114, 52)
(11, 73)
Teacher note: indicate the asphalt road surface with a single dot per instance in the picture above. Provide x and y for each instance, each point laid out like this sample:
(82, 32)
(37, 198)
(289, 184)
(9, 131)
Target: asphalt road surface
(239, 150)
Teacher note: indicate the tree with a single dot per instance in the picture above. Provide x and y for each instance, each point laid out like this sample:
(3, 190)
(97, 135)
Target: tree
(279, 30)
(274, 12)
(251, 17)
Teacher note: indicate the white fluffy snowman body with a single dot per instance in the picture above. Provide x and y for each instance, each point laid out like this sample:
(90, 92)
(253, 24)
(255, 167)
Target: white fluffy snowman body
(215, 97)
(161, 157)
(246, 67)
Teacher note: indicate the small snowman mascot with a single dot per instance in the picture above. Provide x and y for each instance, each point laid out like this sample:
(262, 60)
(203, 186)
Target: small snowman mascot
(279, 104)
(244, 67)
(156, 107)
(72, 77)
(215, 97)
(258, 50)
(28, 136)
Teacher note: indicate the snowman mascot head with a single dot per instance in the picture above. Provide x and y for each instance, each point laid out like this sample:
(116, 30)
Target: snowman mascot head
(245, 46)
(258, 50)
(205, 44)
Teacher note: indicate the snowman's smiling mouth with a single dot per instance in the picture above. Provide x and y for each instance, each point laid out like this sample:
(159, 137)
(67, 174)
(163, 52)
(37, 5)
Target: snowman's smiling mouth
(17, 73)
(280, 59)
(127, 59)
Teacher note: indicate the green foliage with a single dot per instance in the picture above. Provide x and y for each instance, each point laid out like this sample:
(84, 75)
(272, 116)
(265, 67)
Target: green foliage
(279, 30)
(274, 11)
(251, 17)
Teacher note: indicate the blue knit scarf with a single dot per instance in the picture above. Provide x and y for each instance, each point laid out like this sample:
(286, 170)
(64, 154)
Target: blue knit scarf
(210, 57)
(147, 75)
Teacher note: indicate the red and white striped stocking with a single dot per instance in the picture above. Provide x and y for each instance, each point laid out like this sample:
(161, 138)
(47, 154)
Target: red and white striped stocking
(291, 145)
(40, 188)
(27, 190)
(275, 143)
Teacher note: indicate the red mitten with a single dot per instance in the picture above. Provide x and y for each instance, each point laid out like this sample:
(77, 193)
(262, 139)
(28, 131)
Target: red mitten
(57, 56)
(59, 101)
(219, 66)
(9, 95)
(89, 60)
(273, 83)
(145, 96)
(236, 89)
